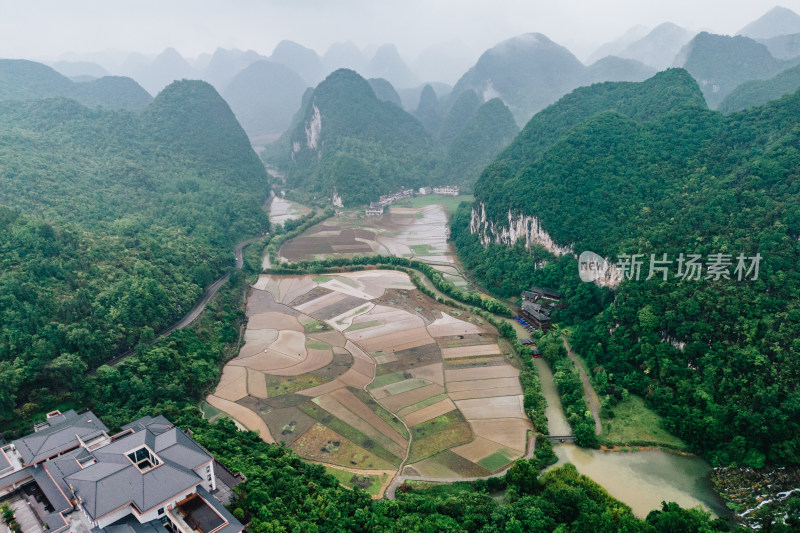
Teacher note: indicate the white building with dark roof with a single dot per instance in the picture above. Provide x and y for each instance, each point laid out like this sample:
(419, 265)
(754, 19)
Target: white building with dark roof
(447, 190)
(149, 477)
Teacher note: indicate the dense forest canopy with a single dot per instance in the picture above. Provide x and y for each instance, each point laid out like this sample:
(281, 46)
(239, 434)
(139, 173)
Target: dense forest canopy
(642, 168)
(113, 223)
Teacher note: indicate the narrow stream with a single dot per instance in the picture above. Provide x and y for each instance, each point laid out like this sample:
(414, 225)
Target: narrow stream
(556, 419)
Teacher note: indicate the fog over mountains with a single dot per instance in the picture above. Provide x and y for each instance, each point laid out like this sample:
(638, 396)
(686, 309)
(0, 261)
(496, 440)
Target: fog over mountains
(527, 72)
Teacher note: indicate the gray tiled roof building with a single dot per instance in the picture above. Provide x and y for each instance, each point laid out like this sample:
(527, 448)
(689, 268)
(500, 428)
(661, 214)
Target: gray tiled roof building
(149, 475)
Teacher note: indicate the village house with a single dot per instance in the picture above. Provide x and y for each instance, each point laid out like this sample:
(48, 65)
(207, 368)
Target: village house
(71, 475)
(536, 315)
(447, 190)
(374, 210)
(538, 293)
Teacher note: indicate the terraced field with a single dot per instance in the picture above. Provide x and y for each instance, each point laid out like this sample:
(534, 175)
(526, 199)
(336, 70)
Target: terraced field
(362, 371)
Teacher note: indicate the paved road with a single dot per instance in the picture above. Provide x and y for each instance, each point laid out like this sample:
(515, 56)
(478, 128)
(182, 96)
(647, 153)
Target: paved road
(191, 316)
(391, 490)
(588, 390)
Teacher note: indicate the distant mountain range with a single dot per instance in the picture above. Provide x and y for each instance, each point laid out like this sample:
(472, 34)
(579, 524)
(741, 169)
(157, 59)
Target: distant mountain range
(613, 48)
(530, 72)
(758, 92)
(527, 72)
(721, 63)
(28, 80)
(777, 21)
(659, 47)
(264, 97)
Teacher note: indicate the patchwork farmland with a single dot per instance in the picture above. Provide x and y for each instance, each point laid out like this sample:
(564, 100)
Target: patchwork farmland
(419, 232)
(362, 371)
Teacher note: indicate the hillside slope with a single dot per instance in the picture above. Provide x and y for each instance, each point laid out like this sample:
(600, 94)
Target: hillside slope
(716, 357)
(488, 131)
(758, 92)
(345, 137)
(113, 225)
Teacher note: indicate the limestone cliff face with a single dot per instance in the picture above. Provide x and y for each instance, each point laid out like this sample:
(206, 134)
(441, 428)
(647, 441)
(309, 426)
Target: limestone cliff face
(313, 129)
(529, 229)
(520, 226)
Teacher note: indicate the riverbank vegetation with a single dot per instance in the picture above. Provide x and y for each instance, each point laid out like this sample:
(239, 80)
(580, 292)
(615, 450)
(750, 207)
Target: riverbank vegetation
(632, 423)
(570, 389)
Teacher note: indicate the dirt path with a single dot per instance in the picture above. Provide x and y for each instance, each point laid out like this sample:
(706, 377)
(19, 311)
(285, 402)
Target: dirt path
(391, 490)
(588, 390)
(199, 307)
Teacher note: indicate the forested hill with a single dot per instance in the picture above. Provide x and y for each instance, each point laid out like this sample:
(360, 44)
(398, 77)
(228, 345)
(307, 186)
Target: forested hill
(488, 131)
(666, 92)
(345, 137)
(28, 80)
(758, 92)
(649, 171)
(112, 224)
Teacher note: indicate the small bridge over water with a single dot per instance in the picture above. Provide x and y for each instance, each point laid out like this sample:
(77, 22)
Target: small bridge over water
(560, 438)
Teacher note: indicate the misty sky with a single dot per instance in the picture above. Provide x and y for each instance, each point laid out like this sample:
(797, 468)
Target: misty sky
(45, 29)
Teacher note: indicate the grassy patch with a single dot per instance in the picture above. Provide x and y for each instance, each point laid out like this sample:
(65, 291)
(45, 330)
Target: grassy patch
(449, 203)
(421, 249)
(406, 385)
(370, 483)
(279, 385)
(421, 405)
(364, 325)
(322, 444)
(313, 325)
(386, 379)
(323, 279)
(438, 424)
(351, 434)
(452, 436)
(376, 408)
(496, 461)
(634, 422)
(209, 411)
(442, 490)
(438, 434)
(318, 346)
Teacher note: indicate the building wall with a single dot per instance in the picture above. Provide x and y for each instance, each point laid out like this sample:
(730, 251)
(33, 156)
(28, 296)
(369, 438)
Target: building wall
(204, 471)
(142, 518)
